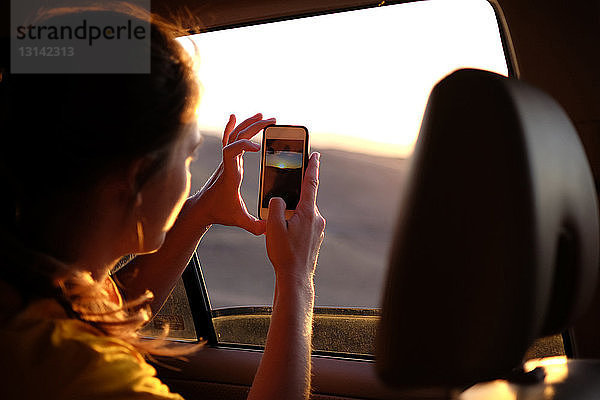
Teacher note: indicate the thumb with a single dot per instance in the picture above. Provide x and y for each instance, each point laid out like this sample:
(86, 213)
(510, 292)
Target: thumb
(276, 220)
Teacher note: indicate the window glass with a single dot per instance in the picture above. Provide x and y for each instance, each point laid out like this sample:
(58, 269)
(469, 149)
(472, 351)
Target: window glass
(174, 318)
(359, 81)
(176, 315)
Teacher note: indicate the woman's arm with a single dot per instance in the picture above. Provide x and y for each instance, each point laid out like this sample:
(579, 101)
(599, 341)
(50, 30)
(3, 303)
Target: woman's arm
(285, 369)
(293, 247)
(218, 202)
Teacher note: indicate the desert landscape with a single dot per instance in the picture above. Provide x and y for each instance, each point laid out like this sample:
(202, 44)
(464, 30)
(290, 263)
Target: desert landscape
(358, 196)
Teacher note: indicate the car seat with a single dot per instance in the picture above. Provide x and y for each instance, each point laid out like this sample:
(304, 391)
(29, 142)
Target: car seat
(496, 242)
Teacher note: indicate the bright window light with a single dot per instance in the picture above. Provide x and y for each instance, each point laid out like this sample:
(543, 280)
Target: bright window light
(357, 80)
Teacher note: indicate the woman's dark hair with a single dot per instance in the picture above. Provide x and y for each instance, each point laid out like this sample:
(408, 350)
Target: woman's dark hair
(63, 132)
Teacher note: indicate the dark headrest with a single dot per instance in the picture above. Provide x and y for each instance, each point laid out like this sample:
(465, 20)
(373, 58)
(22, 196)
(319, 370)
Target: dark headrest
(497, 238)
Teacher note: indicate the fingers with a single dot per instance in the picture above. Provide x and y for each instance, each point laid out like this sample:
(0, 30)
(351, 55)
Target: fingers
(233, 136)
(310, 182)
(254, 225)
(276, 221)
(228, 129)
(236, 148)
(256, 127)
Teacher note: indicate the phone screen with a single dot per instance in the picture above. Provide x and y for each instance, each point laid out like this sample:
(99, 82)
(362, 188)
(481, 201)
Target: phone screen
(283, 171)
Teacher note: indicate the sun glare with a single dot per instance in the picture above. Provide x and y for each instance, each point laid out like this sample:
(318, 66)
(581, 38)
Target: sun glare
(556, 368)
(358, 80)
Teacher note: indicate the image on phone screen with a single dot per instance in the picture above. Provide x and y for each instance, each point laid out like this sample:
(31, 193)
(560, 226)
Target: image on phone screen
(283, 171)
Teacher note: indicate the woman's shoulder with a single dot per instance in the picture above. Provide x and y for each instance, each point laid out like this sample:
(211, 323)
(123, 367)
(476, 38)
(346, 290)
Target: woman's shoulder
(48, 355)
(45, 323)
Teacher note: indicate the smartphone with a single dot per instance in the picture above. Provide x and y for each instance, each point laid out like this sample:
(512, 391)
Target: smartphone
(284, 157)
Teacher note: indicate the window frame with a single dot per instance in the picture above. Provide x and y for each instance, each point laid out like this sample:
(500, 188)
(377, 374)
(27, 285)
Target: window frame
(193, 277)
(195, 288)
(202, 315)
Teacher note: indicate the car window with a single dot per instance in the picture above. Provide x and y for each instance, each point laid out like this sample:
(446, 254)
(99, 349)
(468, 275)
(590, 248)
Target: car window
(174, 318)
(359, 81)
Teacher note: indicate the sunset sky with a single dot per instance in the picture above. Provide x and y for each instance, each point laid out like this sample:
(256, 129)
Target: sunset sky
(357, 80)
(284, 159)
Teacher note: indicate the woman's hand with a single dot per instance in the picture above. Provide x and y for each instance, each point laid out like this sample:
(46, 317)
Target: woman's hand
(293, 245)
(220, 198)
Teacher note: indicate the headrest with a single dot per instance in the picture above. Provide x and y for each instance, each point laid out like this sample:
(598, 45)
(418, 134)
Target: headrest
(497, 238)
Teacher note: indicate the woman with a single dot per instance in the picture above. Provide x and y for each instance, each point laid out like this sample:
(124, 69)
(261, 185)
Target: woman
(98, 168)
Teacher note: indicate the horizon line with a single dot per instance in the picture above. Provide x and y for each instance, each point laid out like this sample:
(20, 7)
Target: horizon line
(351, 144)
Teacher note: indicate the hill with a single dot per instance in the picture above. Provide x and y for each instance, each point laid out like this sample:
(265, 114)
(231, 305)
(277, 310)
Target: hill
(358, 196)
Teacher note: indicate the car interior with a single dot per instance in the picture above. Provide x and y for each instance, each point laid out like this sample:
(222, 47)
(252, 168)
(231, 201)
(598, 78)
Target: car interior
(490, 251)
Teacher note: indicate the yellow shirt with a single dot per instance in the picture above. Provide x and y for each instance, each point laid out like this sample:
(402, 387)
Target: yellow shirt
(46, 355)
